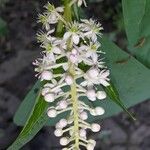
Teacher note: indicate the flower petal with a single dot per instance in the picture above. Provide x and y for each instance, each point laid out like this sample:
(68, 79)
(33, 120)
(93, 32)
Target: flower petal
(67, 35)
(75, 39)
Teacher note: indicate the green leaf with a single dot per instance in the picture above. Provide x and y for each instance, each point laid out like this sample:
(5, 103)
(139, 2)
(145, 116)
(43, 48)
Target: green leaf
(3, 27)
(114, 96)
(37, 119)
(136, 18)
(27, 105)
(133, 11)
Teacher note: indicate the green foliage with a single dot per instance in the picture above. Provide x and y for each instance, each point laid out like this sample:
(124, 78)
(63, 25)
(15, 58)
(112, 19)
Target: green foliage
(3, 27)
(114, 96)
(2, 2)
(136, 18)
(27, 104)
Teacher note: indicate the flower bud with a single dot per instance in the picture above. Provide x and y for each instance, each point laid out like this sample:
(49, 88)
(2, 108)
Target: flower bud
(64, 141)
(52, 112)
(83, 133)
(91, 95)
(49, 97)
(90, 146)
(95, 127)
(63, 123)
(83, 115)
(92, 141)
(44, 91)
(62, 104)
(46, 75)
(101, 95)
(99, 111)
(58, 132)
(93, 112)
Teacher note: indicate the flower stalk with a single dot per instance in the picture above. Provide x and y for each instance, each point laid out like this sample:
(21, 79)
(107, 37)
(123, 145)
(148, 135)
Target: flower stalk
(75, 107)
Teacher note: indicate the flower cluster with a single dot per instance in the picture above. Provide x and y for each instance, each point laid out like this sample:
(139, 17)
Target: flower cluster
(71, 69)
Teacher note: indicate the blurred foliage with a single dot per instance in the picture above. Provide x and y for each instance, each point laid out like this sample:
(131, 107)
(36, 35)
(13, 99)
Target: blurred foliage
(3, 2)
(3, 24)
(93, 1)
(3, 28)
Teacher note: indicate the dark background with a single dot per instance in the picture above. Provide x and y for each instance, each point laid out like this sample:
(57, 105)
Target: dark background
(19, 48)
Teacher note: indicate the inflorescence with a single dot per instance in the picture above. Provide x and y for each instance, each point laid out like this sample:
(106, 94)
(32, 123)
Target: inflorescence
(71, 69)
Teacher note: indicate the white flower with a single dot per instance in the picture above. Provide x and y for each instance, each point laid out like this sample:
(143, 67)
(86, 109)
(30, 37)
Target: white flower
(45, 37)
(53, 45)
(51, 16)
(103, 77)
(53, 13)
(73, 33)
(100, 78)
(89, 53)
(91, 29)
(42, 64)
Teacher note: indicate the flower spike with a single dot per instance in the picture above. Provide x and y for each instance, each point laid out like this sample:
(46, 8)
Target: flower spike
(66, 81)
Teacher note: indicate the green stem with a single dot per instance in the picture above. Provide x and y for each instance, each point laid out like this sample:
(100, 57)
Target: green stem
(75, 107)
(67, 11)
(67, 16)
